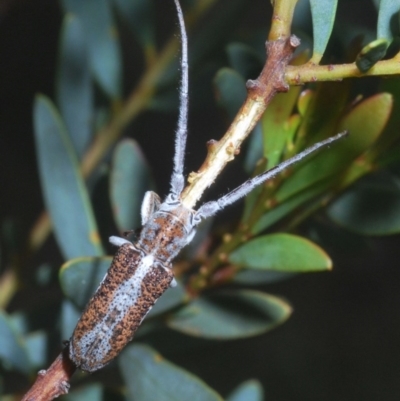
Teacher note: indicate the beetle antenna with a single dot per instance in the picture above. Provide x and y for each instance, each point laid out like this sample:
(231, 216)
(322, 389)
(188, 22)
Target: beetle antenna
(177, 180)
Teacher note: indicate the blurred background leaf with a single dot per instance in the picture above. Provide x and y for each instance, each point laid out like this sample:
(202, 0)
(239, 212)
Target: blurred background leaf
(102, 39)
(130, 179)
(149, 376)
(93, 392)
(323, 17)
(250, 390)
(64, 190)
(370, 207)
(80, 278)
(139, 18)
(230, 315)
(74, 84)
(13, 352)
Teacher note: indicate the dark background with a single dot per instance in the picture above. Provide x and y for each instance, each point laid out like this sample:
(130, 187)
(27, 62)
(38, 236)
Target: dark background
(342, 340)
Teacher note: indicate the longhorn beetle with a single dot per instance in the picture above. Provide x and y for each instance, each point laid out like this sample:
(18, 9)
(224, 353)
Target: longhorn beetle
(142, 271)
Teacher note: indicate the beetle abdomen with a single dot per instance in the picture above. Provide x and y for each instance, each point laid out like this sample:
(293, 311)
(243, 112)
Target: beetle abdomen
(131, 287)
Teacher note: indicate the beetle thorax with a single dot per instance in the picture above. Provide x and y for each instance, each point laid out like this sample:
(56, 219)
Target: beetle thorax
(167, 231)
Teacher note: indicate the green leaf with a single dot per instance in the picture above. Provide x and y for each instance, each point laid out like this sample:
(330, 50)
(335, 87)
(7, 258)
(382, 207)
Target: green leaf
(365, 122)
(254, 149)
(74, 84)
(130, 178)
(276, 126)
(323, 16)
(305, 98)
(139, 14)
(102, 39)
(148, 377)
(64, 190)
(288, 206)
(250, 390)
(231, 90)
(230, 315)
(390, 135)
(370, 207)
(388, 19)
(260, 277)
(13, 351)
(371, 54)
(281, 252)
(90, 392)
(80, 277)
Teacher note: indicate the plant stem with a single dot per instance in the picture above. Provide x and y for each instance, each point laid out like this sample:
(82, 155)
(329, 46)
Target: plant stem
(309, 72)
(259, 94)
(281, 19)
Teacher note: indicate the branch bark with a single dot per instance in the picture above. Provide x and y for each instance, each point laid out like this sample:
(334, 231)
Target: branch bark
(259, 94)
(53, 382)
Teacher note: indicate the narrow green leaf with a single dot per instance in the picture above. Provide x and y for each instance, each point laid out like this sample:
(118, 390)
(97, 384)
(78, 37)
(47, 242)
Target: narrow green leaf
(74, 84)
(254, 149)
(365, 122)
(130, 178)
(13, 351)
(371, 54)
(102, 40)
(277, 131)
(323, 16)
(388, 18)
(281, 252)
(90, 392)
(288, 206)
(139, 14)
(64, 190)
(389, 138)
(370, 207)
(80, 277)
(231, 90)
(250, 390)
(148, 377)
(278, 127)
(230, 315)
(304, 100)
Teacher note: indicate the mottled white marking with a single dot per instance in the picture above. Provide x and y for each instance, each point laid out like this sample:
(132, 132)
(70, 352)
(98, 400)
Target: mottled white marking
(125, 297)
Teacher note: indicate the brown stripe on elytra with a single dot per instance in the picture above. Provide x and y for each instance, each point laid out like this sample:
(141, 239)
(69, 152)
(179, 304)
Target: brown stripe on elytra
(123, 266)
(154, 284)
